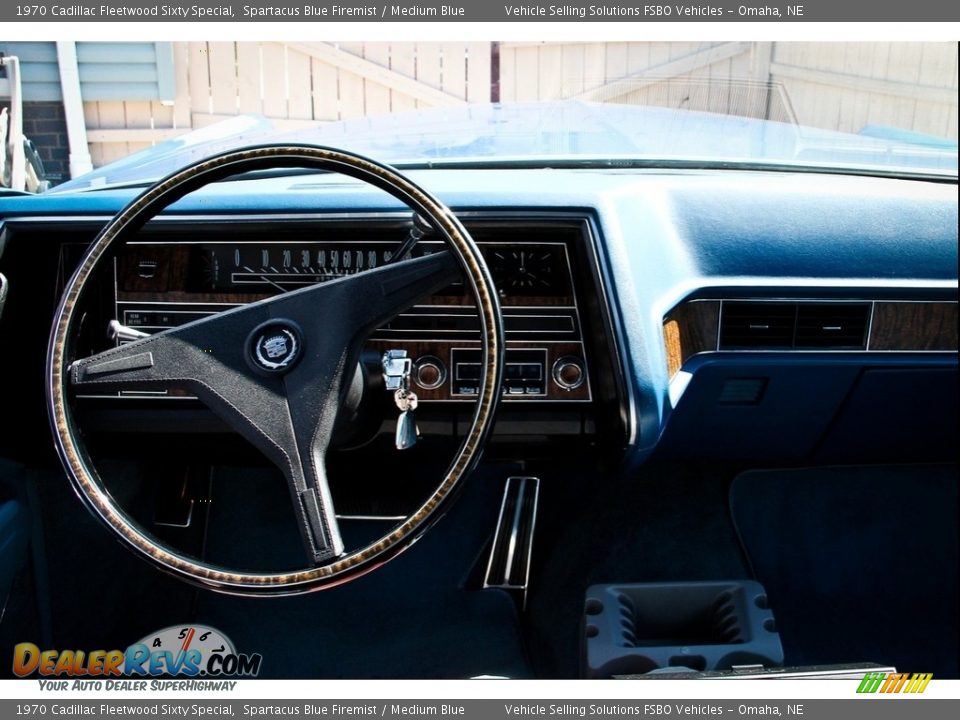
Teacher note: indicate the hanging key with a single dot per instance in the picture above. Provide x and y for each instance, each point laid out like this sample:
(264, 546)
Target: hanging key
(407, 432)
(396, 376)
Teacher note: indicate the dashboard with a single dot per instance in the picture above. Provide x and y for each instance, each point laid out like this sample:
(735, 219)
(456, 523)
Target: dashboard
(683, 313)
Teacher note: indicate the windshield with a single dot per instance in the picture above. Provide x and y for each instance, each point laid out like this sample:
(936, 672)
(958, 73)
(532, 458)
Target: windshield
(637, 121)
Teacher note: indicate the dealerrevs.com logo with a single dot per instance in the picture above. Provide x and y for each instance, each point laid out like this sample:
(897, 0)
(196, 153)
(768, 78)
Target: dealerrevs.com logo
(190, 651)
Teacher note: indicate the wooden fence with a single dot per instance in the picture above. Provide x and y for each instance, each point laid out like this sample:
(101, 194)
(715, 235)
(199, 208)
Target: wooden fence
(837, 86)
(845, 86)
(295, 84)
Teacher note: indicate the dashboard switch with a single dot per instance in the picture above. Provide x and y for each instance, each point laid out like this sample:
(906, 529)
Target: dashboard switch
(430, 372)
(568, 372)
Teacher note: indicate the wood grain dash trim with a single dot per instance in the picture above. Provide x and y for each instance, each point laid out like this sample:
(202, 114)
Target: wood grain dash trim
(909, 326)
(689, 329)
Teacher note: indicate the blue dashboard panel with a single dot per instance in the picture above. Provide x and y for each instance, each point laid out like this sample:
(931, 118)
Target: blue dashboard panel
(662, 237)
(765, 235)
(835, 407)
(827, 227)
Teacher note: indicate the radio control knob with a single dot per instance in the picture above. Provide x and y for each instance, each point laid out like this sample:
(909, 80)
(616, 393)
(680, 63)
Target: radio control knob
(430, 372)
(568, 372)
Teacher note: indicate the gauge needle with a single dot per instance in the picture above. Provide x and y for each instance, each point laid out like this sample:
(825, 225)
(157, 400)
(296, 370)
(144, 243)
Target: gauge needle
(265, 279)
(188, 639)
(268, 280)
(185, 646)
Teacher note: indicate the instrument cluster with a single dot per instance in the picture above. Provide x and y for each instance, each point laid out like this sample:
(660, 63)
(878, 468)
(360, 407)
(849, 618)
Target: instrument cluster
(163, 282)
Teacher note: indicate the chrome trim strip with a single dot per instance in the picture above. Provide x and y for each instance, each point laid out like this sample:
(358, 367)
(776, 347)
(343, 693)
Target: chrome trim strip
(812, 300)
(496, 532)
(515, 526)
(817, 351)
(716, 345)
(514, 531)
(829, 672)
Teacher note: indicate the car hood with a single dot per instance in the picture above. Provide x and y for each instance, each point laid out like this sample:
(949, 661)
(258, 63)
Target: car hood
(556, 133)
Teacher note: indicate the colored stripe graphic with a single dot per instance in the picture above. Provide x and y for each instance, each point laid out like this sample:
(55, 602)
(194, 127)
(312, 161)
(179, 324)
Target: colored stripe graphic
(894, 682)
(918, 682)
(871, 682)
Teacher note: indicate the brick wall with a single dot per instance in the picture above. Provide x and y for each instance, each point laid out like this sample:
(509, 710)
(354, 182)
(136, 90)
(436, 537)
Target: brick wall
(45, 124)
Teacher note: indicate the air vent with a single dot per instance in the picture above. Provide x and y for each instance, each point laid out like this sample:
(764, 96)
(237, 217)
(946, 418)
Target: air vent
(757, 325)
(834, 325)
(749, 325)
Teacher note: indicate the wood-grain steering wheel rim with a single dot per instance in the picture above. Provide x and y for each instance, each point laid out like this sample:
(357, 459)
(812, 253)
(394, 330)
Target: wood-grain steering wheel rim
(69, 443)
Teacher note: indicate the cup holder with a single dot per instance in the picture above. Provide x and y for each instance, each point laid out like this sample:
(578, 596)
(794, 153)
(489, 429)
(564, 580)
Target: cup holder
(699, 625)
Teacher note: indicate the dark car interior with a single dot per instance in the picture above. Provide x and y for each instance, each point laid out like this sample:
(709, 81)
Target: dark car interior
(725, 437)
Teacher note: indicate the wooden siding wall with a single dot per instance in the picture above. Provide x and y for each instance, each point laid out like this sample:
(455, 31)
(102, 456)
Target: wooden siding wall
(294, 84)
(846, 86)
(838, 86)
(108, 70)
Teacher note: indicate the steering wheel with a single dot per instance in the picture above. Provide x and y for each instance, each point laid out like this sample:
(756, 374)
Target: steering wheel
(275, 370)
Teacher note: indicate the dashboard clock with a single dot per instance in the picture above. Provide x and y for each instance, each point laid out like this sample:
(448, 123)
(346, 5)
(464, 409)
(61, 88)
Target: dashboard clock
(528, 270)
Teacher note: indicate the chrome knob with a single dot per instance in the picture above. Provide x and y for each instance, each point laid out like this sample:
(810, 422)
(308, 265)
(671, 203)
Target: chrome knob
(121, 333)
(568, 372)
(430, 372)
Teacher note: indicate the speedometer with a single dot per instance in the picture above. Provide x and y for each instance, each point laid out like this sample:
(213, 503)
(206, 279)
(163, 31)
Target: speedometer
(255, 267)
